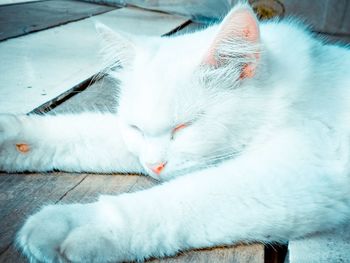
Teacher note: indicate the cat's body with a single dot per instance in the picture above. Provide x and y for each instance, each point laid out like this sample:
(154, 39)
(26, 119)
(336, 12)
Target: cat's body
(272, 106)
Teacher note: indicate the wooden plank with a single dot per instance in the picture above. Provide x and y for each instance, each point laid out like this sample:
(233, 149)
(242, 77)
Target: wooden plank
(11, 255)
(101, 96)
(234, 254)
(331, 246)
(95, 185)
(21, 195)
(12, 2)
(43, 65)
(21, 19)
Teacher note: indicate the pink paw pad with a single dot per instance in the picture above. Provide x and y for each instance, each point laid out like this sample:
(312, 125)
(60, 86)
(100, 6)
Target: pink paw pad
(22, 147)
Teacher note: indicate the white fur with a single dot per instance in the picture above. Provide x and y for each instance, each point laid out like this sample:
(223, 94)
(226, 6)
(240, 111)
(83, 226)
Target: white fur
(275, 148)
(68, 142)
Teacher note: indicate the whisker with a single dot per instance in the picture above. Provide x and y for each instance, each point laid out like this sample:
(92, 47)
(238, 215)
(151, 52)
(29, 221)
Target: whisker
(195, 163)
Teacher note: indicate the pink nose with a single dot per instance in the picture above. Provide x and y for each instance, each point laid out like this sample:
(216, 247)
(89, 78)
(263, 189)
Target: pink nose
(157, 168)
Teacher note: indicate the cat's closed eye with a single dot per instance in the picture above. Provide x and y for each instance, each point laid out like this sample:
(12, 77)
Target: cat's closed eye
(178, 128)
(136, 128)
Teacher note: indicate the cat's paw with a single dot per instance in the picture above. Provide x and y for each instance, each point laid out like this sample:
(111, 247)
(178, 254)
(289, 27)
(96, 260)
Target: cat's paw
(21, 149)
(94, 243)
(12, 144)
(41, 236)
(43, 233)
(73, 233)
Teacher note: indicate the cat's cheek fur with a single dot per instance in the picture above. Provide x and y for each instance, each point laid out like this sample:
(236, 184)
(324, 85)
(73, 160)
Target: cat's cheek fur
(133, 139)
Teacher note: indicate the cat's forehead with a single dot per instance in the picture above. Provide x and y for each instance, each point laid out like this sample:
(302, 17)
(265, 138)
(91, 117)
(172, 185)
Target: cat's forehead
(156, 102)
(161, 89)
(160, 79)
(165, 64)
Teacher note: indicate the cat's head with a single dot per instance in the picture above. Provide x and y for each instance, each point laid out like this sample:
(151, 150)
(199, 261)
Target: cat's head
(186, 102)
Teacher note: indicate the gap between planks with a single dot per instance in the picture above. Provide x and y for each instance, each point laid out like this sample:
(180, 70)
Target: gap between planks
(55, 60)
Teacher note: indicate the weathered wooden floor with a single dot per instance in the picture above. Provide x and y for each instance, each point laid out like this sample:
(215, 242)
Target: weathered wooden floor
(32, 17)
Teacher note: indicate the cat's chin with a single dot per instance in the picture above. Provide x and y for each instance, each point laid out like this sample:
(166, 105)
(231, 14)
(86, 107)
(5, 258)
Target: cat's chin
(160, 178)
(166, 176)
(155, 177)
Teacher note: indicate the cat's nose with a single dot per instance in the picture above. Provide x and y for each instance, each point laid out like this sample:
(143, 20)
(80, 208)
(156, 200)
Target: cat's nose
(156, 167)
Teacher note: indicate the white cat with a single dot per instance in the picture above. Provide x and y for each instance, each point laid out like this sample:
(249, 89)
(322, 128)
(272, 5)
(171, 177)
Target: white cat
(263, 108)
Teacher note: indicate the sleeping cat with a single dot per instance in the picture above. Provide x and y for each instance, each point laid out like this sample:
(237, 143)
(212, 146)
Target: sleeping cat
(250, 121)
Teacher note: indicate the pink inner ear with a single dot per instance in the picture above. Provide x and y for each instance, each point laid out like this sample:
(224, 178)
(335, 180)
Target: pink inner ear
(240, 23)
(249, 28)
(247, 71)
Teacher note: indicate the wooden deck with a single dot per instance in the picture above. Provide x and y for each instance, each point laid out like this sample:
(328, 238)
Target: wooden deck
(23, 194)
(33, 17)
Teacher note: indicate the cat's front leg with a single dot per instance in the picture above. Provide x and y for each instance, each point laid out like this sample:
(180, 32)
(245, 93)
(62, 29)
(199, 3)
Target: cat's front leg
(85, 142)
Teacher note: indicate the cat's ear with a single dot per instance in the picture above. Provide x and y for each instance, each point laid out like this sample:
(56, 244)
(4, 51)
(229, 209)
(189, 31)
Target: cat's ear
(117, 48)
(238, 38)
